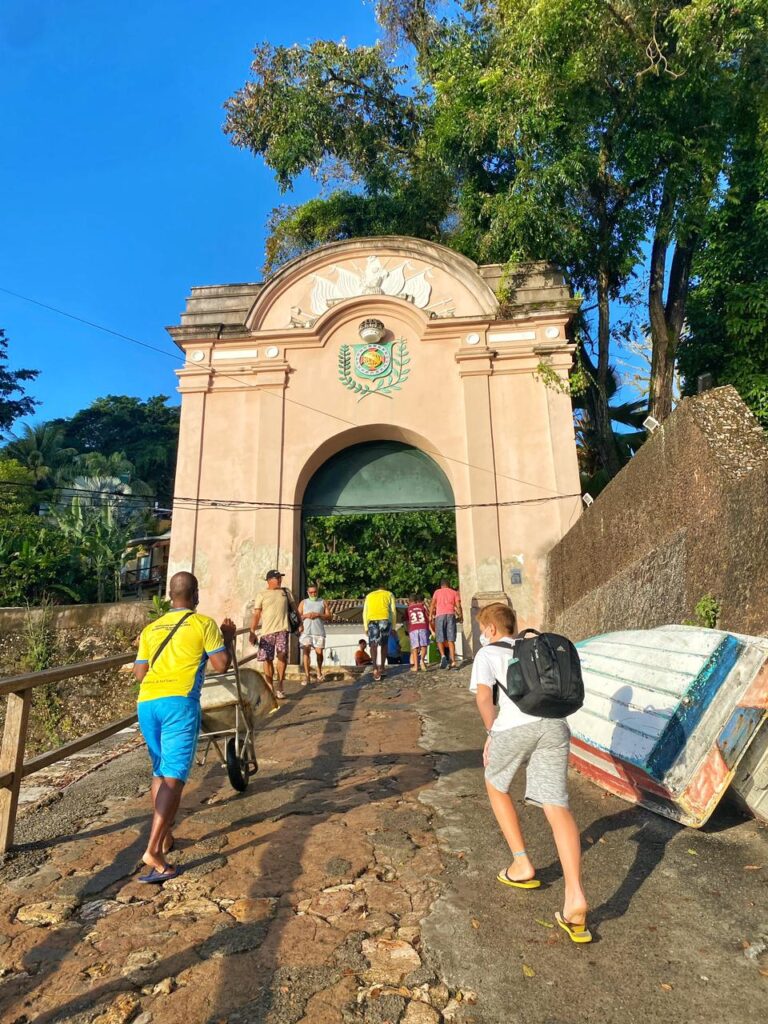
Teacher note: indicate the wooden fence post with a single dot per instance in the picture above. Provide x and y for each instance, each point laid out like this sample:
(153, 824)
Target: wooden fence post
(12, 760)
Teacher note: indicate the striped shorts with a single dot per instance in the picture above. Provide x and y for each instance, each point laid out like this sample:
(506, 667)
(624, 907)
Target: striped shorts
(543, 747)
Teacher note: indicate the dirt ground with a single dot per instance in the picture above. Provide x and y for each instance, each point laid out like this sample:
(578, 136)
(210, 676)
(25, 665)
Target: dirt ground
(353, 883)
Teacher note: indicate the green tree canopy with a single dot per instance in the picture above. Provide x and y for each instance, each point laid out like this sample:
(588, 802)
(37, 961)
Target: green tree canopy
(17, 490)
(592, 133)
(42, 450)
(406, 552)
(144, 433)
(728, 306)
(14, 402)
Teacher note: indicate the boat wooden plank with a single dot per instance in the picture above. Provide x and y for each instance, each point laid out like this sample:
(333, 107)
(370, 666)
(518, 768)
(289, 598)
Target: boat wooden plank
(686, 663)
(686, 640)
(643, 693)
(631, 745)
(671, 685)
(749, 785)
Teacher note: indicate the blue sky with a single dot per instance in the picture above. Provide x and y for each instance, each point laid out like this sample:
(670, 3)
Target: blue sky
(118, 189)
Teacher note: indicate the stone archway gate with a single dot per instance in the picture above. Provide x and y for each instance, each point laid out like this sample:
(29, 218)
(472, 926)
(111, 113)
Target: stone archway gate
(376, 339)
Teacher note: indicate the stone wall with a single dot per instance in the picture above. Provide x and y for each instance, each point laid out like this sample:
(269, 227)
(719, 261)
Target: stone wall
(128, 615)
(686, 518)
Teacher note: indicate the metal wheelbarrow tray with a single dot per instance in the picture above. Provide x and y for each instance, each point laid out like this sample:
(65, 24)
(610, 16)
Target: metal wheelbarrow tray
(231, 704)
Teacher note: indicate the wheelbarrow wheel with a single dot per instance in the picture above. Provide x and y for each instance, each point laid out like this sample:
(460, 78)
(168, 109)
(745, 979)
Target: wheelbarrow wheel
(237, 767)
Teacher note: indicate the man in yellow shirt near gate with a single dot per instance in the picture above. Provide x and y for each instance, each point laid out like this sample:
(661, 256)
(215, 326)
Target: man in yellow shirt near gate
(379, 617)
(170, 666)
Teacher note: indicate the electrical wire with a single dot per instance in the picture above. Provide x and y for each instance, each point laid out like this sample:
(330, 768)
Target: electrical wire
(239, 380)
(97, 497)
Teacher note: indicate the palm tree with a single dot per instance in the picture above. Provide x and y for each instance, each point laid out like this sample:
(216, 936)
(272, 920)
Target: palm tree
(117, 465)
(629, 415)
(99, 519)
(41, 449)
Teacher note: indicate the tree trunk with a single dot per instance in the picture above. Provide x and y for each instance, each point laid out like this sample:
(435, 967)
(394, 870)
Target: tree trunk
(662, 358)
(598, 393)
(666, 318)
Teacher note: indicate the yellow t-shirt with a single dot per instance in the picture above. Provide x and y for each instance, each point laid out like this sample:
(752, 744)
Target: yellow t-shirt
(180, 669)
(379, 606)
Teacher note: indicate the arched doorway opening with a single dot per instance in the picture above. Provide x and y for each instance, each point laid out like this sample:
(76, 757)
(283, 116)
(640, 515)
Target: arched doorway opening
(378, 513)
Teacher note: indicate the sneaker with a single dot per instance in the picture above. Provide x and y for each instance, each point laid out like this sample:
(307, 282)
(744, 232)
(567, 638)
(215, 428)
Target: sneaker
(443, 662)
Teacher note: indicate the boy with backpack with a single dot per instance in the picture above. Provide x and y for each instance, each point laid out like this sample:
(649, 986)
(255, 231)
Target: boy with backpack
(541, 742)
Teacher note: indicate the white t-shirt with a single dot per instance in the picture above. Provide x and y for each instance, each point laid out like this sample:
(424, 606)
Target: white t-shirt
(489, 668)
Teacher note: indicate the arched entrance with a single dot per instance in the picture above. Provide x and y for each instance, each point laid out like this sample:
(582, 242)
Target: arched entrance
(378, 512)
(375, 340)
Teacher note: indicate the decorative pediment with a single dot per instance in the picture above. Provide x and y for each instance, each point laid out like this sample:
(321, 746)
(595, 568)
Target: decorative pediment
(432, 278)
(373, 277)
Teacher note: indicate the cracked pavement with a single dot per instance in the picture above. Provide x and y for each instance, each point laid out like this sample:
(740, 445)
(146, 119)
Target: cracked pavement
(352, 883)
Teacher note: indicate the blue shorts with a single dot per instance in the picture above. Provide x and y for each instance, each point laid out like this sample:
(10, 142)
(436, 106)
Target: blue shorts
(170, 727)
(445, 629)
(378, 631)
(419, 638)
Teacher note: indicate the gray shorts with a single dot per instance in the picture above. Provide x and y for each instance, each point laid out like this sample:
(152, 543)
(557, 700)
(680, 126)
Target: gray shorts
(543, 746)
(445, 629)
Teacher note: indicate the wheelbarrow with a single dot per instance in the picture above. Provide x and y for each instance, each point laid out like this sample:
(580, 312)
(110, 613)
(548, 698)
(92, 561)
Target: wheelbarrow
(231, 704)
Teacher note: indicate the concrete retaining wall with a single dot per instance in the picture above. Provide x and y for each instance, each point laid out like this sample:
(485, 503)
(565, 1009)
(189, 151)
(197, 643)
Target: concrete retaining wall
(127, 615)
(686, 518)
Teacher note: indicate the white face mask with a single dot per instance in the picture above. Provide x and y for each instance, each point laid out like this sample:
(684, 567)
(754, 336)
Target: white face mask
(484, 640)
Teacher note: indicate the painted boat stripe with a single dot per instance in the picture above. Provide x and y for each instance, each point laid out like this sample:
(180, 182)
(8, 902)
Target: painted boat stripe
(582, 754)
(687, 717)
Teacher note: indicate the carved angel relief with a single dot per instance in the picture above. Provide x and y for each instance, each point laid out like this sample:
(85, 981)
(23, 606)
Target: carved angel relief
(375, 280)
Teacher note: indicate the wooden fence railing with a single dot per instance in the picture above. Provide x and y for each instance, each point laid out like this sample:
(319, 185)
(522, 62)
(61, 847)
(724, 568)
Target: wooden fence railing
(13, 767)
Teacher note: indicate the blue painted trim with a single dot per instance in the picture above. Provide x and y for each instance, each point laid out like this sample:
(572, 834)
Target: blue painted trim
(737, 732)
(687, 717)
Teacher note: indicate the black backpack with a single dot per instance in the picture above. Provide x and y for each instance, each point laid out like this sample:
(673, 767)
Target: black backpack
(544, 677)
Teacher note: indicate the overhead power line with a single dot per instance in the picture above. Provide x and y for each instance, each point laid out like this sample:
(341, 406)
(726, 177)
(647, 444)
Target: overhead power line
(177, 357)
(245, 505)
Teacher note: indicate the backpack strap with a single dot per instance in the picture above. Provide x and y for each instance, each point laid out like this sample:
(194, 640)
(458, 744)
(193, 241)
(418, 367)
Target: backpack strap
(167, 639)
(508, 647)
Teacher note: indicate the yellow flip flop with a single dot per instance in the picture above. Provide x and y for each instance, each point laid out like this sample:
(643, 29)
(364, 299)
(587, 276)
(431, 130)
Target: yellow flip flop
(575, 932)
(530, 883)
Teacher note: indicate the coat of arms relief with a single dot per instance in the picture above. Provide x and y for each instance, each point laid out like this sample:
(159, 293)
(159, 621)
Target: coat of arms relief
(373, 278)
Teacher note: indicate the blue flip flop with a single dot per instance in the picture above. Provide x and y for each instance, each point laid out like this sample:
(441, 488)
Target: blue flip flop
(158, 877)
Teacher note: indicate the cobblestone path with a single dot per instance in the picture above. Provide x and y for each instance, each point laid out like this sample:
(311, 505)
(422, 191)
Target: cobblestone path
(353, 884)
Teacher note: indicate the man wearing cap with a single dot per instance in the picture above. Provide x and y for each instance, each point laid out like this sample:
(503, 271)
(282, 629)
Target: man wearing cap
(270, 617)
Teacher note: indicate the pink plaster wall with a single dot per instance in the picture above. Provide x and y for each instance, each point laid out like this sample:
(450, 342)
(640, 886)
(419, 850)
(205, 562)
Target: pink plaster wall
(255, 429)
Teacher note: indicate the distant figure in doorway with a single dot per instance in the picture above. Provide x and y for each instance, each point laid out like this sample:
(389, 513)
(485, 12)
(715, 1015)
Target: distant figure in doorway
(362, 657)
(170, 666)
(405, 645)
(379, 617)
(394, 648)
(270, 616)
(444, 613)
(417, 620)
(314, 614)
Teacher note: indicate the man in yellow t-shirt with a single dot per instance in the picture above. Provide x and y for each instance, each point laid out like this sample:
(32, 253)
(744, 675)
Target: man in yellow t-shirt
(379, 617)
(170, 666)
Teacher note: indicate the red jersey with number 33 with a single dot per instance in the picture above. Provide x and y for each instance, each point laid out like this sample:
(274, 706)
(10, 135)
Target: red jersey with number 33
(417, 616)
